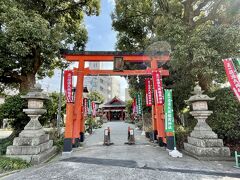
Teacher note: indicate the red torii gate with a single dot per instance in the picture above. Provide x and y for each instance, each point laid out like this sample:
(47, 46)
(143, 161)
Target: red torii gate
(74, 111)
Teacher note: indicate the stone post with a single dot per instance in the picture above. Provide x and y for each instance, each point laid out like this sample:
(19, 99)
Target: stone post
(203, 143)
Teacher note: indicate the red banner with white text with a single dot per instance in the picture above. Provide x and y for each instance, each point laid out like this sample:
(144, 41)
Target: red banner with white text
(68, 85)
(148, 91)
(94, 109)
(232, 77)
(134, 106)
(157, 83)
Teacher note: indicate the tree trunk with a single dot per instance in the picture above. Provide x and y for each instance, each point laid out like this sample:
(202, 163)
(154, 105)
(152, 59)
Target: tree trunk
(27, 82)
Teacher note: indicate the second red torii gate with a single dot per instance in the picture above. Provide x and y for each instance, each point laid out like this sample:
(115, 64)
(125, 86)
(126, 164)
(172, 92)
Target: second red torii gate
(74, 116)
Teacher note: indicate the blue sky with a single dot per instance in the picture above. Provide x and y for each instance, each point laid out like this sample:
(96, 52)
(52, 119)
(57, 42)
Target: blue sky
(100, 33)
(101, 37)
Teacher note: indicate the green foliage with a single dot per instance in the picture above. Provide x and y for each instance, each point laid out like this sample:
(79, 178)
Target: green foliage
(10, 164)
(91, 123)
(181, 134)
(4, 145)
(225, 119)
(199, 40)
(96, 96)
(13, 109)
(50, 117)
(129, 106)
(59, 143)
(33, 31)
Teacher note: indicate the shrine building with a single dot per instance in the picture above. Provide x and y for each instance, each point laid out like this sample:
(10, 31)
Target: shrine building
(114, 109)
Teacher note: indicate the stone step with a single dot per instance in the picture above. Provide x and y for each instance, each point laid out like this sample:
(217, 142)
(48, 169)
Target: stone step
(26, 141)
(207, 151)
(205, 142)
(29, 150)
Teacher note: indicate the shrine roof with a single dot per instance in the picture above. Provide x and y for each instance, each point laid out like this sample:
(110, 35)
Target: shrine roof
(115, 102)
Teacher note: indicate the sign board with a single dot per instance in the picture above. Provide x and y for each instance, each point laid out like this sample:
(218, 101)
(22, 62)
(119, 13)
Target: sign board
(118, 64)
(131, 132)
(106, 132)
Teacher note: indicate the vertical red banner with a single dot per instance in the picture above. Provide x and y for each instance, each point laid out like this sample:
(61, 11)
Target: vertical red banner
(157, 82)
(134, 106)
(68, 85)
(232, 77)
(148, 91)
(85, 106)
(93, 109)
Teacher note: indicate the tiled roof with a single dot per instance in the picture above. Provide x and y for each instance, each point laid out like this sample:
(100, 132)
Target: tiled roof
(115, 102)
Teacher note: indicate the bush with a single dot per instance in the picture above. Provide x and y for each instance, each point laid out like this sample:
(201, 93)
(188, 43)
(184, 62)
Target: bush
(10, 164)
(13, 109)
(225, 120)
(59, 143)
(181, 134)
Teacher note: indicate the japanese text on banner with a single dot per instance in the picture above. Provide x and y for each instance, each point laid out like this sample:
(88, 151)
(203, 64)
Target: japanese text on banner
(157, 82)
(232, 77)
(139, 103)
(68, 85)
(148, 91)
(168, 110)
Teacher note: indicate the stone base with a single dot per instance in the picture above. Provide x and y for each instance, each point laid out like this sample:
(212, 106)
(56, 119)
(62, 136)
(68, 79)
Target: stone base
(205, 142)
(38, 158)
(30, 141)
(32, 145)
(29, 150)
(207, 153)
(205, 158)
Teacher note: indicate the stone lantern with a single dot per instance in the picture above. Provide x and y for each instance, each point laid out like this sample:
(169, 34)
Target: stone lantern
(203, 143)
(33, 145)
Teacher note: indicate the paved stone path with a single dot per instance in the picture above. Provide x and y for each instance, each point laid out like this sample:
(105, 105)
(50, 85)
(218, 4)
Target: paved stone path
(119, 161)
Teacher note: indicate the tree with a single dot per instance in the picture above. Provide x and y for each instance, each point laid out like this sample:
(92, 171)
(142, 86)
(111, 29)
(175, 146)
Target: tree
(96, 96)
(201, 33)
(33, 31)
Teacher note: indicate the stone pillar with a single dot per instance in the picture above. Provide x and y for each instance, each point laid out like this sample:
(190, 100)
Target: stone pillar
(203, 143)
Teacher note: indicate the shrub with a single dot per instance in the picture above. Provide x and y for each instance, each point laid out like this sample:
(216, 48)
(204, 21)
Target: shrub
(10, 164)
(59, 143)
(225, 120)
(181, 134)
(13, 109)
